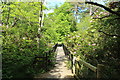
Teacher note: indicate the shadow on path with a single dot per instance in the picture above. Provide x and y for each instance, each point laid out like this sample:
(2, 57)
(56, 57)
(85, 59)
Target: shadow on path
(60, 71)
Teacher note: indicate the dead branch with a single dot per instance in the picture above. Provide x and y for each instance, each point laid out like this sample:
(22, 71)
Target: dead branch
(94, 11)
(102, 6)
(109, 34)
(101, 17)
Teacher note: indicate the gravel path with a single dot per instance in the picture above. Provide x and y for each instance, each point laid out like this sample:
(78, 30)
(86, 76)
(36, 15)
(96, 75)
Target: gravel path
(60, 71)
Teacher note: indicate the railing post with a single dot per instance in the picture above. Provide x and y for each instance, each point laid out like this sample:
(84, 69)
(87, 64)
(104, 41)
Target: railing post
(71, 59)
(46, 58)
(100, 71)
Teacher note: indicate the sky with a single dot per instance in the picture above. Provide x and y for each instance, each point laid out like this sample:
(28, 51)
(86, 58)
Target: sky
(53, 3)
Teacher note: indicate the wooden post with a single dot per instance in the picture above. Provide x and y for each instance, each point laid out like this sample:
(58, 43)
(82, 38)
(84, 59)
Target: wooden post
(71, 58)
(76, 67)
(46, 56)
(73, 69)
(100, 71)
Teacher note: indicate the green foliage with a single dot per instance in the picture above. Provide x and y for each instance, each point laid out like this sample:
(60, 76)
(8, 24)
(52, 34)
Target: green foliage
(59, 23)
(20, 40)
(93, 40)
(97, 42)
(108, 43)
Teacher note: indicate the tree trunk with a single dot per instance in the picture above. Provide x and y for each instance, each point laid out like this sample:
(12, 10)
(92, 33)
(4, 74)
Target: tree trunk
(40, 22)
(8, 16)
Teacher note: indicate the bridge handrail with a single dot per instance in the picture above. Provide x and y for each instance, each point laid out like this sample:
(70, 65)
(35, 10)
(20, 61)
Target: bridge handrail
(47, 54)
(98, 70)
(93, 68)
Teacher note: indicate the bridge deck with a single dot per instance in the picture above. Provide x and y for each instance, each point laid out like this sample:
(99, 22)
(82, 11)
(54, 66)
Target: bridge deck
(60, 70)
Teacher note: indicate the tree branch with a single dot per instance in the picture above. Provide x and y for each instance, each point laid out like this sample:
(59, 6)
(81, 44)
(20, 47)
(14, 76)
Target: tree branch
(116, 18)
(106, 8)
(15, 22)
(109, 34)
(94, 11)
(102, 17)
(105, 17)
(8, 16)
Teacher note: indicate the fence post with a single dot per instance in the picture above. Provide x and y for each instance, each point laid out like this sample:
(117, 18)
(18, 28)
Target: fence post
(46, 58)
(71, 60)
(100, 71)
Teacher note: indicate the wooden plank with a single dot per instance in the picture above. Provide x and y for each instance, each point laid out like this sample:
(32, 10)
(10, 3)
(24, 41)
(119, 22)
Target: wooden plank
(100, 71)
(93, 68)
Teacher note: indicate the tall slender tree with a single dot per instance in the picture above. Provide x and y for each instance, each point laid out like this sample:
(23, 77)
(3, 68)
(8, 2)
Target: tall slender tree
(41, 16)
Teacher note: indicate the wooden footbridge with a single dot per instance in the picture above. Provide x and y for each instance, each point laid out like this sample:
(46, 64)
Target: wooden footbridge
(61, 71)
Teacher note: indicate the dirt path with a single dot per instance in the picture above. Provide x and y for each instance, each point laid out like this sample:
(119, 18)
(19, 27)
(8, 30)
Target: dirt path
(60, 71)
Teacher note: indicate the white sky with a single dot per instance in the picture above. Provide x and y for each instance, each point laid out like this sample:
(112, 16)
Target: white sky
(53, 3)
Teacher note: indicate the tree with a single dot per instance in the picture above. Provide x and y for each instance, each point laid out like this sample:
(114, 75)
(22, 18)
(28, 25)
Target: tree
(20, 40)
(60, 22)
